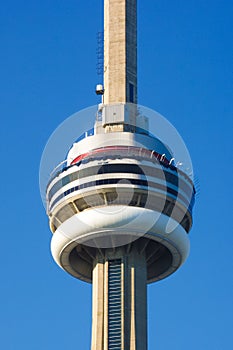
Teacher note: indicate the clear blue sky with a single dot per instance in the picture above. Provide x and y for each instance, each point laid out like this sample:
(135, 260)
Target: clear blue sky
(48, 72)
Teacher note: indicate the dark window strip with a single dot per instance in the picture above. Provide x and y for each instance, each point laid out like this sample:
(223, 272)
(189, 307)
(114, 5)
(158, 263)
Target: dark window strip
(115, 181)
(119, 168)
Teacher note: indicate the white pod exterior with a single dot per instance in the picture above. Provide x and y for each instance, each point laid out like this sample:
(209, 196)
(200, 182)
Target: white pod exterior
(96, 227)
(120, 189)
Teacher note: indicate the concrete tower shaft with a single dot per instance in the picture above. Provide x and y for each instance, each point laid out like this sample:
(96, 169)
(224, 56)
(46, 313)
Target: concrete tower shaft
(120, 300)
(120, 51)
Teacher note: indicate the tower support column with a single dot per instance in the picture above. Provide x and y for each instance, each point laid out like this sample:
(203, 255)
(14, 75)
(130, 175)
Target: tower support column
(119, 310)
(120, 51)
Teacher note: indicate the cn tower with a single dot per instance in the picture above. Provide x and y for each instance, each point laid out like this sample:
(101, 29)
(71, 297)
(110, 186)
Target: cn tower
(120, 210)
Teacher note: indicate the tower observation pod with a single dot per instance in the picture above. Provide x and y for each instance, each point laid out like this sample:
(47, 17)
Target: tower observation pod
(120, 210)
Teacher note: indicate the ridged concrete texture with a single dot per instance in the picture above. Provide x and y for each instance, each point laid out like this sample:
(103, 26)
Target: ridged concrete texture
(120, 51)
(119, 309)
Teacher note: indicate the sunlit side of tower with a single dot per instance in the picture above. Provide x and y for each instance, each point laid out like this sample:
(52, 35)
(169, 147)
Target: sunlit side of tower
(120, 210)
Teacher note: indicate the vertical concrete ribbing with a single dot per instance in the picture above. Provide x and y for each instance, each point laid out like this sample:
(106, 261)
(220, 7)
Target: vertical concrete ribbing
(105, 306)
(98, 306)
(120, 51)
(133, 300)
(137, 300)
